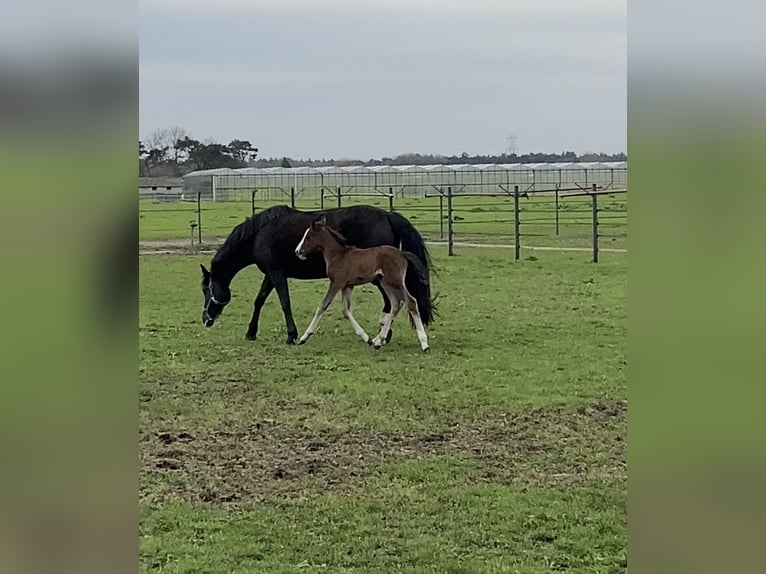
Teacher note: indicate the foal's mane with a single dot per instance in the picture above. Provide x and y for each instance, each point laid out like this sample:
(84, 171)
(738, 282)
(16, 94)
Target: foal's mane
(338, 237)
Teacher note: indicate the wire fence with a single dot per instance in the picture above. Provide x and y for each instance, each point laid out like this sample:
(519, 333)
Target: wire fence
(593, 217)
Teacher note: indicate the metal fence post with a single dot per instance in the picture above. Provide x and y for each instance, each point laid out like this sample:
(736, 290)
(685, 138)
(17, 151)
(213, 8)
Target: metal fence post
(292, 197)
(321, 198)
(450, 238)
(339, 197)
(516, 222)
(441, 214)
(594, 199)
(252, 202)
(390, 199)
(557, 209)
(199, 217)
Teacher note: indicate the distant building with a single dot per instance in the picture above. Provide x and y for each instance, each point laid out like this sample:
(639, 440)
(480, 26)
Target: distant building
(162, 189)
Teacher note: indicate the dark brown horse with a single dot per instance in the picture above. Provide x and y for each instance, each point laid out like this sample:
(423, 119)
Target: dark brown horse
(349, 266)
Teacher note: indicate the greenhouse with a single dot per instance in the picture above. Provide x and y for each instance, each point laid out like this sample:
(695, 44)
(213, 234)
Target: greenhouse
(405, 181)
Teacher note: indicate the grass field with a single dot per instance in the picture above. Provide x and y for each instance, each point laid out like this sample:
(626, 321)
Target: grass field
(501, 450)
(478, 219)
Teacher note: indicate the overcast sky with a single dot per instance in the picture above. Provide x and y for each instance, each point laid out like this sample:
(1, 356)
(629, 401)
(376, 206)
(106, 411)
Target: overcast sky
(373, 78)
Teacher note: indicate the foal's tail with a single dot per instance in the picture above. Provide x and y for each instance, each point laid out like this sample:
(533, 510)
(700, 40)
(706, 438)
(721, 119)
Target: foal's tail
(419, 264)
(416, 281)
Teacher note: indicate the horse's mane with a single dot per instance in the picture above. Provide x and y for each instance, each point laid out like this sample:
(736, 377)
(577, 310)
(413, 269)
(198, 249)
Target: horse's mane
(245, 231)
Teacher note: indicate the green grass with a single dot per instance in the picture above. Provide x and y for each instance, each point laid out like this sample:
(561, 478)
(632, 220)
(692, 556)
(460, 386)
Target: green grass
(501, 450)
(476, 219)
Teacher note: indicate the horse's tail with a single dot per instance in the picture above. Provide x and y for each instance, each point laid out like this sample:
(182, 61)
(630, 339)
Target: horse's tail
(407, 238)
(418, 278)
(416, 281)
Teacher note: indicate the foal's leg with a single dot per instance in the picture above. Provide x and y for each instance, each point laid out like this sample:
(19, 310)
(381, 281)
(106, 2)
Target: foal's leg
(347, 314)
(385, 329)
(331, 293)
(387, 308)
(412, 307)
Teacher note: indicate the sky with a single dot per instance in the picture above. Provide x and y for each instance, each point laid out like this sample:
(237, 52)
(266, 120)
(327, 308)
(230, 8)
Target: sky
(377, 78)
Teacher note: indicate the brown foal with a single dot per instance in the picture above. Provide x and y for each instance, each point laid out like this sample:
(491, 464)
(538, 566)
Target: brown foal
(348, 267)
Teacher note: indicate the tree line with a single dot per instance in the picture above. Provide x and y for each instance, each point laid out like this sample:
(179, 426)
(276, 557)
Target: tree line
(172, 152)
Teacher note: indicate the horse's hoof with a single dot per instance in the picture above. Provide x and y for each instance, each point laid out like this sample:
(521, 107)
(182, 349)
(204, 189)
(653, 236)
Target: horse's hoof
(251, 336)
(291, 340)
(426, 349)
(369, 341)
(390, 334)
(376, 347)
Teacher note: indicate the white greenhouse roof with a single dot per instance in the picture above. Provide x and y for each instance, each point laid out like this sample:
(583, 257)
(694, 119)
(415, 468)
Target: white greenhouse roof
(360, 169)
(219, 171)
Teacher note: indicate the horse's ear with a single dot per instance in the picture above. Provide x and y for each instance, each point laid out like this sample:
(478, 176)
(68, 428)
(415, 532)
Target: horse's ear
(205, 272)
(322, 221)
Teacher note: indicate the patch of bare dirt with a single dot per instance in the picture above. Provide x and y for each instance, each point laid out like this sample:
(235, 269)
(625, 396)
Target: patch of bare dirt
(539, 447)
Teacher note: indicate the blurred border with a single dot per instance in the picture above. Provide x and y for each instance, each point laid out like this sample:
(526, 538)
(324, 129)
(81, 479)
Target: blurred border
(696, 308)
(68, 129)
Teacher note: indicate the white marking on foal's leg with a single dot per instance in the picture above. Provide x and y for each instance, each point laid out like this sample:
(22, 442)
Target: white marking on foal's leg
(381, 337)
(412, 307)
(347, 314)
(312, 326)
(318, 315)
(422, 337)
(381, 323)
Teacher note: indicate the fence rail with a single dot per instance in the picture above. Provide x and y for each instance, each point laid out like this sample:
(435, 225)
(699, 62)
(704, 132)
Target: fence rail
(550, 217)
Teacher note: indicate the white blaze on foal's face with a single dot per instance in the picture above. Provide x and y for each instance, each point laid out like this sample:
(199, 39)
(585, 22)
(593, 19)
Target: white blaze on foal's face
(298, 250)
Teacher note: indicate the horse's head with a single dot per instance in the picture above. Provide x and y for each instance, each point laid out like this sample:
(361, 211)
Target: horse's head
(312, 240)
(217, 296)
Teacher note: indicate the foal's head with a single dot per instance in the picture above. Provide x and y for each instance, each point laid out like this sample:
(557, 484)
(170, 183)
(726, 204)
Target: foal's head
(316, 238)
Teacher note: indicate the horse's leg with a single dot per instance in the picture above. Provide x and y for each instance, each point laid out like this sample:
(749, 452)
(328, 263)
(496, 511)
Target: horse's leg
(280, 284)
(412, 307)
(386, 308)
(260, 299)
(347, 314)
(331, 292)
